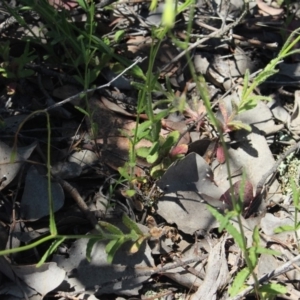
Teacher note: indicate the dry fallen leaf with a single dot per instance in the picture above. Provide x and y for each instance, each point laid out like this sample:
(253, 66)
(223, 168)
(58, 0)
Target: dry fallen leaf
(184, 184)
(294, 124)
(8, 171)
(66, 4)
(82, 273)
(217, 273)
(268, 10)
(35, 203)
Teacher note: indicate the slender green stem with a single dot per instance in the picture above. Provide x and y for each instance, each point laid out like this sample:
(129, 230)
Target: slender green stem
(150, 85)
(52, 225)
(46, 239)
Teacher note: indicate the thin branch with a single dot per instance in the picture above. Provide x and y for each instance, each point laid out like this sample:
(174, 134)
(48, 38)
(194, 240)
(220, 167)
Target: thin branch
(94, 89)
(149, 273)
(78, 199)
(215, 34)
(280, 270)
(274, 168)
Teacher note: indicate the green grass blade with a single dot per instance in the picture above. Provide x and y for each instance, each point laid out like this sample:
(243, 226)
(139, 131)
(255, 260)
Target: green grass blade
(50, 250)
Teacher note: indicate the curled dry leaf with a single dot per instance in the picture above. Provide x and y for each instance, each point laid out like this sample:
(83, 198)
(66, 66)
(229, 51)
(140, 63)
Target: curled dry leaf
(66, 4)
(81, 273)
(239, 188)
(184, 183)
(180, 149)
(268, 10)
(35, 203)
(220, 154)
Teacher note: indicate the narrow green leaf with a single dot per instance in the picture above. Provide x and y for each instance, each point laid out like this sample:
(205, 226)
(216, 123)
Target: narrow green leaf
(109, 246)
(119, 35)
(236, 125)
(252, 255)
(143, 151)
(131, 224)
(110, 228)
(157, 171)
(273, 289)
(203, 90)
(296, 192)
(124, 172)
(130, 193)
(154, 148)
(171, 140)
(284, 228)
(145, 126)
(83, 4)
(289, 42)
(83, 111)
(264, 75)
(50, 250)
(151, 159)
(133, 235)
(13, 155)
(246, 83)
(137, 85)
(251, 102)
(256, 237)
(169, 14)
(112, 248)
(229, 227)
(136, 245)
(153, 153)
(158, 117)
(262, 250)
(239, 282)
(89, 247)
(182, 7)
(137, 72)
(297, 51)
(153, 5)
(79, 79)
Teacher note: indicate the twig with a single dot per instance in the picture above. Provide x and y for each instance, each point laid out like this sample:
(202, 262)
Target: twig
(94, 89)
(280, 270)
(152, 272)
(48, 72)
(274, 168)
(7, 23)
(253, 42)
(94, 289)
(78, 199)
(215, 34)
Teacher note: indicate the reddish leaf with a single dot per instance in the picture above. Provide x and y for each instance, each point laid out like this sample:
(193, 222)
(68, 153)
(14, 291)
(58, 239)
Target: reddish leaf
(247, 195)
(180, 149)
(220, 155)
(11, 88)
(66, 4)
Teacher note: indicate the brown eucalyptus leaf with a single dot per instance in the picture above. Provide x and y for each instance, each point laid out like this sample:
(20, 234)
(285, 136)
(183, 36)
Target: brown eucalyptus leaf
(40, 280)
(35, 203)
(188, 186)
(81, 273)
(268, 10)
(220, 155)
(66, 4)
(247, 192)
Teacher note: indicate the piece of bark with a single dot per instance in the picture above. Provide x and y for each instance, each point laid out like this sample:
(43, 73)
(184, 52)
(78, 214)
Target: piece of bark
(217, 273)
